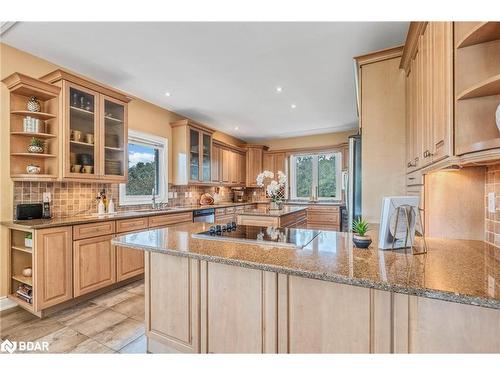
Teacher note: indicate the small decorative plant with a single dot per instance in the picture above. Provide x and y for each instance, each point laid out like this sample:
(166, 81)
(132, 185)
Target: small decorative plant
(360, 238)
(36, 146)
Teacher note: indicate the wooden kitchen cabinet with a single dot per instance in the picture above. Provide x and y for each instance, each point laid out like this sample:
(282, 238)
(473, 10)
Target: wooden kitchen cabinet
(94, 264)
(429, 94)
(53, 271)
(274, 162)
(216, 163)
(192, 153)
(93, 143)
(229, 164)
(129, 263)
(254, 163)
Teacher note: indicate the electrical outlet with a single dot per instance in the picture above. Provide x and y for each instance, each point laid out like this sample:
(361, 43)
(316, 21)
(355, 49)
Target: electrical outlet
(46, 197)
(491, 203)
(175, 194)
(186, 194)
(170, 194)
(254, 193)
(190, 194)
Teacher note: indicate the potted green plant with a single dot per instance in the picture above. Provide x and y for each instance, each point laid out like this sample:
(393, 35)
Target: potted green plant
(360, 238)
(36, 146)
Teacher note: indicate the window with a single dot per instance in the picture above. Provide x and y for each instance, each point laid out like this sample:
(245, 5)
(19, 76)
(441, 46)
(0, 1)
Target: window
(316, 174)
(147, 169)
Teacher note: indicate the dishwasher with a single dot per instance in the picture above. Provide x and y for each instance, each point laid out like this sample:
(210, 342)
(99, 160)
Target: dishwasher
(206, 215)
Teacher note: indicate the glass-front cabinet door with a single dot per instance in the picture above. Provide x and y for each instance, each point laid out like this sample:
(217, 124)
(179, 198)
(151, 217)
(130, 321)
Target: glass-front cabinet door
(82, 133)
(206, 157)
(114, 138)
(194, 155)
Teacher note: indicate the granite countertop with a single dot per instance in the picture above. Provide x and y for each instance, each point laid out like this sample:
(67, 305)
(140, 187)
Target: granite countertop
(462, 271)
(264, 211)
(93, 218)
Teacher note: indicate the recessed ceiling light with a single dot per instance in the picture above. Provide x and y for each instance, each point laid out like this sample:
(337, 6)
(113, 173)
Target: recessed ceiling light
(279, 89)
(167, 94)
(236, 128)
(293, 106)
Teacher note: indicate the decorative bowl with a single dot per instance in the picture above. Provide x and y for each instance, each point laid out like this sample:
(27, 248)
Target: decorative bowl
(28, 272)
(35, 149)
(33, 169)
(497, 116)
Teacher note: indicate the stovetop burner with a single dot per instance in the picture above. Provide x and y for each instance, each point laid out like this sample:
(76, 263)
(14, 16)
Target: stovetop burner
(287, 237)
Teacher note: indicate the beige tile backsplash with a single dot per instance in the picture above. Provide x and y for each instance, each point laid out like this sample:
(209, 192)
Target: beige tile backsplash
(79, 198)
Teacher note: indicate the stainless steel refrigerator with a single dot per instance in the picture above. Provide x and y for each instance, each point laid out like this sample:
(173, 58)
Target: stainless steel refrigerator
(353, 183)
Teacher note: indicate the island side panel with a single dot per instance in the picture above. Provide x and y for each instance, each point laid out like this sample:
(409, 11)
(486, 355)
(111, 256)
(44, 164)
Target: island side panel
(238, 310)
(325, 317)
(172, 303)
(436, 326)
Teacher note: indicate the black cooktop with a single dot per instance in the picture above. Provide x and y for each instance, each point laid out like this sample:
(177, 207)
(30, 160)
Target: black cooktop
(288, 237)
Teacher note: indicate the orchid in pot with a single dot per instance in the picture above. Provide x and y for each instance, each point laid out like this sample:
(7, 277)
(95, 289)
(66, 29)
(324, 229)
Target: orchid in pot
(275, 189)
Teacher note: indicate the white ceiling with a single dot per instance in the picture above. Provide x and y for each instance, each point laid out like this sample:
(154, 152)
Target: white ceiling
(223, 74)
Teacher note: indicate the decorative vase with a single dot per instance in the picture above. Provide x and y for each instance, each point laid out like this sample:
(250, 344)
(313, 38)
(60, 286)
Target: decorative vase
(33, 104)
(497, 117)
(361, 242)
(35, 149)
(275, 205)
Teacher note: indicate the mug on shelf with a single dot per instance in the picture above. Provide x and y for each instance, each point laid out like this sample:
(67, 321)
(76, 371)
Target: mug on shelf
(76, 168)
(88, 168)
(76, 135)
(89, 138)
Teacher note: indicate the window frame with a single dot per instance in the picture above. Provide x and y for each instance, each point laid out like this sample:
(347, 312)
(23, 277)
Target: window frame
(315, 175)
(148, 140)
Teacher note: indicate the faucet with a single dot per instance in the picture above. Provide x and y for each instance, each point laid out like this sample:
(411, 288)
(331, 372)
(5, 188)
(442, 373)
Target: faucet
(153, 198)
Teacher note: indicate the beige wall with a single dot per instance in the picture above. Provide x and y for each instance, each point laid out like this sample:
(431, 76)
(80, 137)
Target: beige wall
(318, 140)
(143, 116)
(383, 133)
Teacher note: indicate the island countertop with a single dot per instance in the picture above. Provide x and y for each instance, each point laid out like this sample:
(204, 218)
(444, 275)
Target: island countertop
(462, 271)
(265, 211)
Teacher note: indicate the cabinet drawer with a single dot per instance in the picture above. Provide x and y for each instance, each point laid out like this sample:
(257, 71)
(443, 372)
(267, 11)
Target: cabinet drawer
(131, 224)
(329, 215)
(83, 231)
(225, 218)
(170, 219)
(414, 178)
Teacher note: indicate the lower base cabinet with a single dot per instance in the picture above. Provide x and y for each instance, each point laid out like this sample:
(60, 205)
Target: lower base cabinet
(94, 264)
(219, 308)
(129, 263)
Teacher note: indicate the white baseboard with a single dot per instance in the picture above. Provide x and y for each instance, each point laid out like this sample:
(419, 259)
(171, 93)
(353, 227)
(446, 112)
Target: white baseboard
(6, 303)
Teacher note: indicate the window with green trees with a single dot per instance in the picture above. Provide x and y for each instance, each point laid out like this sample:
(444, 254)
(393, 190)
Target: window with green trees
(146, 169)
(316, 175)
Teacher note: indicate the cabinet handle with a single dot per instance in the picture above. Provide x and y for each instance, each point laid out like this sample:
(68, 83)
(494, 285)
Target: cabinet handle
(440, 143)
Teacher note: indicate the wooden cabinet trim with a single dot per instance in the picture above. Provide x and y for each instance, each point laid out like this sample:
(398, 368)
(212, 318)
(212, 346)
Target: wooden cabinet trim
(170, 219)
(128, 225)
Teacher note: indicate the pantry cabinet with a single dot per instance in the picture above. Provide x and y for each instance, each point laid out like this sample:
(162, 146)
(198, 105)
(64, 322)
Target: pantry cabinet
(429, 93)
(228, 164)
(254, 163)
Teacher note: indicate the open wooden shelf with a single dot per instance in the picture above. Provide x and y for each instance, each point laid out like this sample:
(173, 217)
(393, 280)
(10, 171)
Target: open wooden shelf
(482, 33)
(21, 84)
(33, 177)
(32, 155)
(24, 249)
(28, 280)
(36, 135)
(490, 86)
(40, 115)
(21, 302)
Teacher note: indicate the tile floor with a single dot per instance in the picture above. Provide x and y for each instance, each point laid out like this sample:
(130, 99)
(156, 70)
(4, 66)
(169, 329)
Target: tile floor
(110, 323)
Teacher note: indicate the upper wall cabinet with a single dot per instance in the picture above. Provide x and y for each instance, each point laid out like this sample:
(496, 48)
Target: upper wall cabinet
(254, 163)
(428, 62)
(274, 162)
(93, 129)
(228, 164)
(192, 153)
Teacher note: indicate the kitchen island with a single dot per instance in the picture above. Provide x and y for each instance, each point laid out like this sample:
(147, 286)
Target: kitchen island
(288, 216)
(210, 296)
